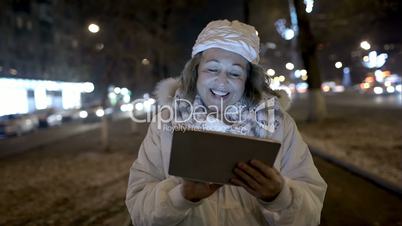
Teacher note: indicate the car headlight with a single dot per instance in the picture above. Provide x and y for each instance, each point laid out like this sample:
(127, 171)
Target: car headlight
(126, 107)
(100, 112)
(83, 114)
(139, 106)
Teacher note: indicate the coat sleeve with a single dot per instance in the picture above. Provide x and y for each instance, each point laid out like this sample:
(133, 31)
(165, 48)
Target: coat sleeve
(301, 200)
(151, 198)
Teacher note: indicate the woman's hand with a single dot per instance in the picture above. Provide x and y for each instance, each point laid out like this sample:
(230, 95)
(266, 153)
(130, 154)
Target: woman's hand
(259, 179)
(195, 191)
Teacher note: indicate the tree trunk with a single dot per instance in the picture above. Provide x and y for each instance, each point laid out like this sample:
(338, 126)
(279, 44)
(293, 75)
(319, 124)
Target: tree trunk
(246, 11)
(105, 133)
(307, 44)
(105, 120)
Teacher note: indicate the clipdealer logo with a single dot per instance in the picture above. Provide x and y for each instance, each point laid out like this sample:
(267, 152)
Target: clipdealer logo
(153, 113)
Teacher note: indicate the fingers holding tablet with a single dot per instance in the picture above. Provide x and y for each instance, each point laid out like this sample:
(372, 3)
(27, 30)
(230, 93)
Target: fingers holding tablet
(260, 180)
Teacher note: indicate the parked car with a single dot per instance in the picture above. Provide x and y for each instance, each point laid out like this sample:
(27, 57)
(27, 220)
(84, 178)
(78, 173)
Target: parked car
(17, 124)
(71, 115)
(95, 113)
(142, 108)
(49, 117)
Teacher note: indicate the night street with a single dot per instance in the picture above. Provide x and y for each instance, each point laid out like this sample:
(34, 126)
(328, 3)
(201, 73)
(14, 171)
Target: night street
(242, 91)
(88, 173)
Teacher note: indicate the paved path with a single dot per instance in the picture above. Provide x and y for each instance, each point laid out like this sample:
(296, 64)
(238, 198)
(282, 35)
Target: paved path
(351, 200)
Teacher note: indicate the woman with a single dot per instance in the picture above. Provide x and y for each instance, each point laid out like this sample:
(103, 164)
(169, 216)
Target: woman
(223, 74)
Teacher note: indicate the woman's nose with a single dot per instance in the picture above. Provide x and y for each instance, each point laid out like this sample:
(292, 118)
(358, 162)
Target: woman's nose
(222, 78)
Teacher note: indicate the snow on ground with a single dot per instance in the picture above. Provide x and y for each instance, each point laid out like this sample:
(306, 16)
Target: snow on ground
(368, 138)
(71, 182)
(61, 184)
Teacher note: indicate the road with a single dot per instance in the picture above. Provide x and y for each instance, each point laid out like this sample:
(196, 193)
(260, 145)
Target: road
(44, 136)
(359, 100)
(14, 145)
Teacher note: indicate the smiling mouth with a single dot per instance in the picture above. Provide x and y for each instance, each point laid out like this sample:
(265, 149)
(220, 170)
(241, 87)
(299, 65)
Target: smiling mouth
(219, 93)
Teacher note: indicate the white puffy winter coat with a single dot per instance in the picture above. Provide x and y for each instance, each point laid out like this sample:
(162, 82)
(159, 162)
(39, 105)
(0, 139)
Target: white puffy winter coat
(155, 198)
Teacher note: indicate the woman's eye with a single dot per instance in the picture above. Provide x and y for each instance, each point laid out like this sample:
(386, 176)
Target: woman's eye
(212, 70)
(235, 74)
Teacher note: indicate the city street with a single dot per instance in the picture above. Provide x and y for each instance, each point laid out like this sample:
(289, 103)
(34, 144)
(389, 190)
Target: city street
(72, 182)
(75, 76)
(393, 101)
(13, 145)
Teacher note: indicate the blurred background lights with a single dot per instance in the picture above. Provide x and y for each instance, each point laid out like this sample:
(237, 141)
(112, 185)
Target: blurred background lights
(126, 98)
(378, 90)
(83, 114)
(390, 89)
(289, 66)
(365, 58)
(88, 87)
(117, 90)
(297, 73)
(309, 5)
(373, 60)
(285, 32)
(271, 72)
(365, 45)
(338, 64)
(151, 101)
(326, 88)
(13, 71)
(379, 76)
(93, 28)
(145, 61)
(139, 106)
(99, 46)
(398, 88)
(126, 107)
(124, 91)
(100, 112)
(289, 34)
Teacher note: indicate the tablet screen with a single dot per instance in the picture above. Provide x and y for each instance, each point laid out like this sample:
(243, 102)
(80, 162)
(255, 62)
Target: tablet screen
(212, 156)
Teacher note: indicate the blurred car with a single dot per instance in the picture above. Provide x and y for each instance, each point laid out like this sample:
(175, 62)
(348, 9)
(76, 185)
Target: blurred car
(70, 115)
(94, 113)
(17, 124)
(142, 108)
(48, 117)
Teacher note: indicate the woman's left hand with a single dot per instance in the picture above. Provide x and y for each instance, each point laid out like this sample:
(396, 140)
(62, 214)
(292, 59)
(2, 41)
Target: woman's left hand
(259, 179)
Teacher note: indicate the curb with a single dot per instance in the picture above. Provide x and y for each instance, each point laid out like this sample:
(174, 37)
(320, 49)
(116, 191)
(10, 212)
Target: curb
(378, 181)
(48, 142)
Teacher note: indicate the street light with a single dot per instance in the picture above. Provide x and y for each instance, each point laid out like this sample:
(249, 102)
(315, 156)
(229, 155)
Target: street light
(365, 45)
(338, 64)
(93, 28)
(290, 66)
(271, 72)
(289, 34)
(145, 61)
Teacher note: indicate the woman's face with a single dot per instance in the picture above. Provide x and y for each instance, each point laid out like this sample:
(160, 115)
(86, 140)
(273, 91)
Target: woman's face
(221, 77)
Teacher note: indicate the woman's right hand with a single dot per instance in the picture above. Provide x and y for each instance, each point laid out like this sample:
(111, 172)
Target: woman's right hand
(195, 191)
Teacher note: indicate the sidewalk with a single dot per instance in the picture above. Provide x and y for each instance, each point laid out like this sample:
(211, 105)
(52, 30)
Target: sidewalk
(71, 181)
(369, 139)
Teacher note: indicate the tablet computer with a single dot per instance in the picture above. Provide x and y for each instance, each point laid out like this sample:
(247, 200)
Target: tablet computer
(212, 156)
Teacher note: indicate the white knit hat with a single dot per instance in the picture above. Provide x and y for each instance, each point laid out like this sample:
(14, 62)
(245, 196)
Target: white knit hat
(232, 36)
